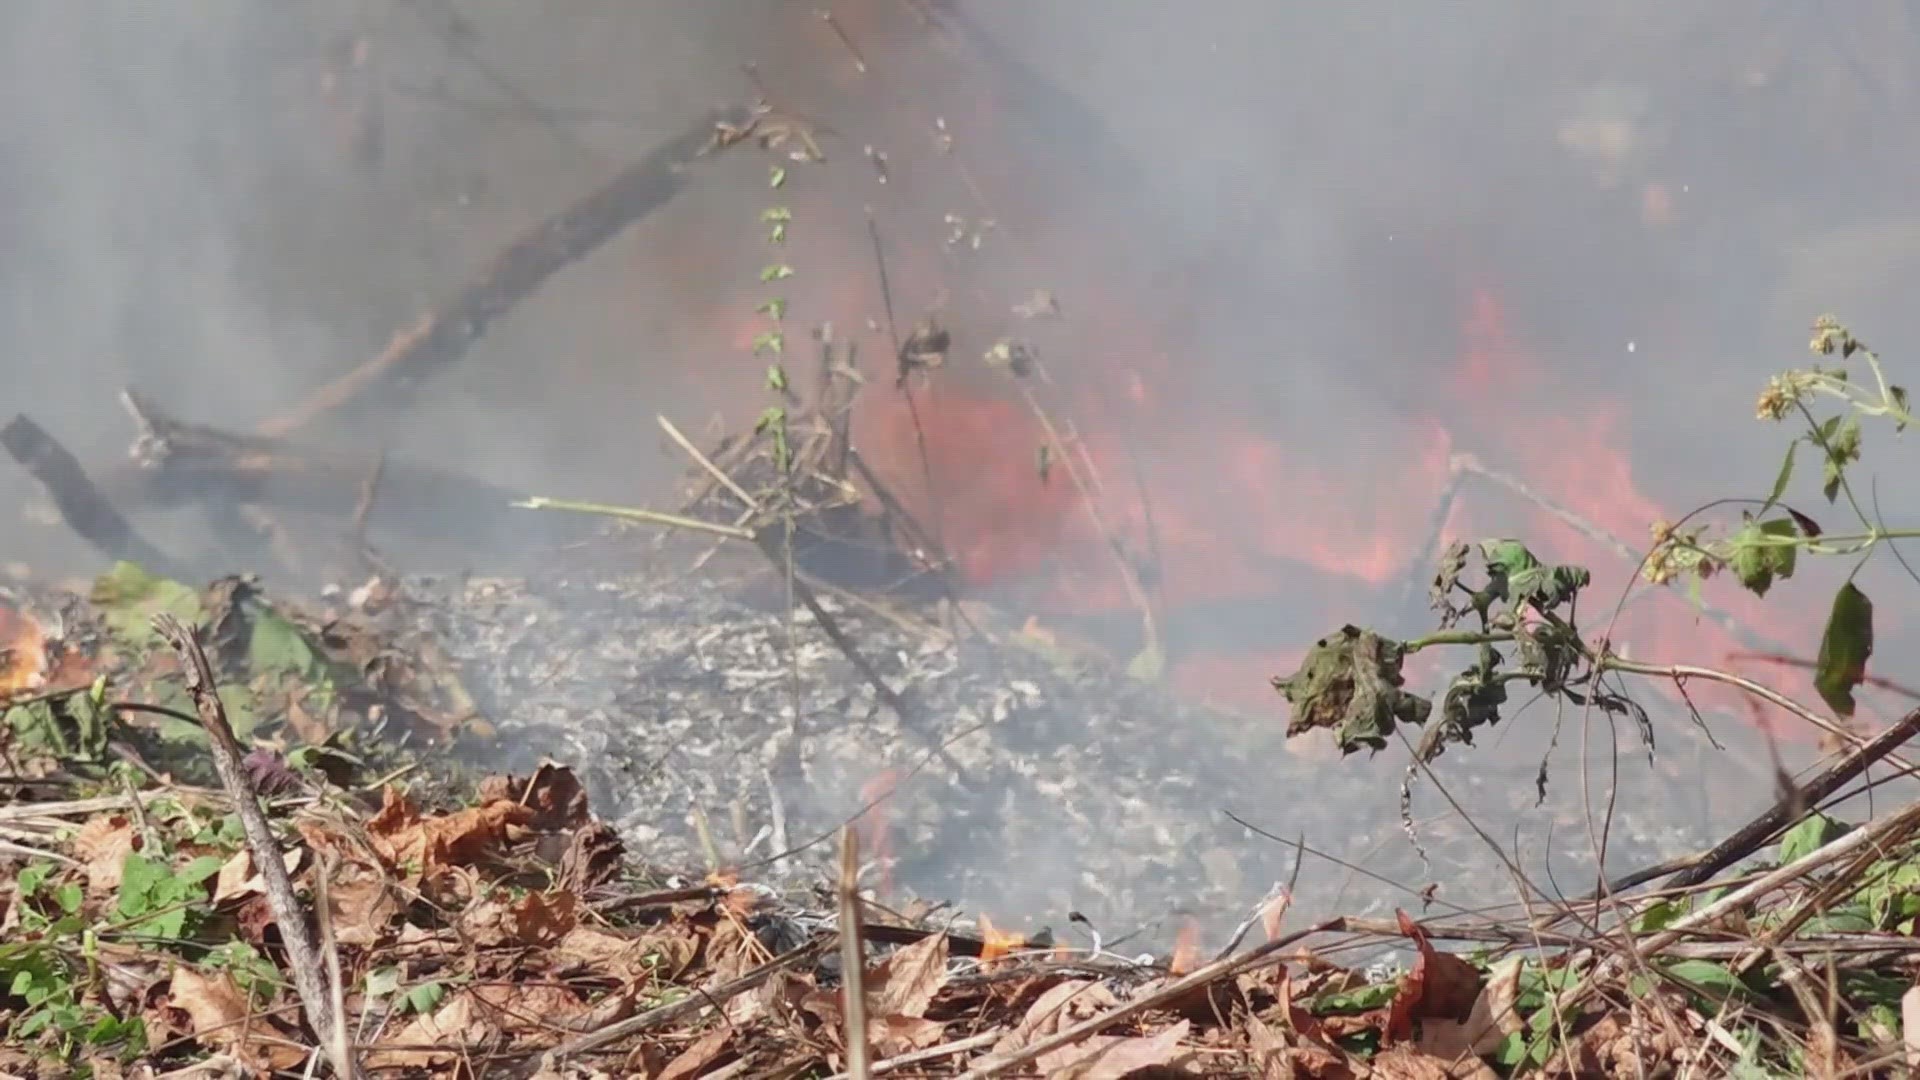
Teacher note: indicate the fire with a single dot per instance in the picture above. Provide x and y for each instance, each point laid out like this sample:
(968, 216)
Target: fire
(23, 653)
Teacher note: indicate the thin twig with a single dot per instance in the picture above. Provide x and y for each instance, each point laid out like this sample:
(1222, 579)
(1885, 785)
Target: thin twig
(853, 974)
(686, 1006)
(309, 978)
(1172, 991)
(635, 513)
(706, 463)
(1696, 868)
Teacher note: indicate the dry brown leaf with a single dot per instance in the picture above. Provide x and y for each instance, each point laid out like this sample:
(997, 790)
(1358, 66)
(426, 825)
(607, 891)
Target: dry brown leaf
(1109, 1057)
(219, 1018)
(460, 1022)
(103, 844)
(1278, 1060)
(304, 725)
(1618, 1045)
(238, 879)
(427, 846)
(534, 919)
(906, 982)
(1405, 1062)
(891, 1036)
(663, 953)
(361, 902)
(1052, 1010)
(553, 794)
(699, 1054)
(592, 858)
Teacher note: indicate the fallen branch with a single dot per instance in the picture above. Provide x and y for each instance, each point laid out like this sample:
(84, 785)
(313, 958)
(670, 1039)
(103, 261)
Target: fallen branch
(309, 977)
(82, 506)
(445, 334)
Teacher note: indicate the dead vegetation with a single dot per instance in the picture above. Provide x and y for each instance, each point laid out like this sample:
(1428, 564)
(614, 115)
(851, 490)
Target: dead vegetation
(329, 905)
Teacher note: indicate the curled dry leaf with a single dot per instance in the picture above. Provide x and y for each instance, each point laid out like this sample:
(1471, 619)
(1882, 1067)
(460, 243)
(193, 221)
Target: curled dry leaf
(424, 847)
(553, 794)
(1110, 1057)
(664, 953)
(220, 1019)
(103, 844)
(891, 1036)
(592, 858)
(905, 983)
(1440, 986)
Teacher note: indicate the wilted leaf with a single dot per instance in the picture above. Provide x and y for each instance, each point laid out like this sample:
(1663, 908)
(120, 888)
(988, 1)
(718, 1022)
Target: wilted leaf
(1350, 683)
(1844, 648)
(129, 598)
(891, 1036)
(239, 878)
(906, 982)
(1109, 1057)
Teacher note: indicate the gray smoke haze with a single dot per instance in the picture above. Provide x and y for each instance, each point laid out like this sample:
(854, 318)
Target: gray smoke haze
(229, 203)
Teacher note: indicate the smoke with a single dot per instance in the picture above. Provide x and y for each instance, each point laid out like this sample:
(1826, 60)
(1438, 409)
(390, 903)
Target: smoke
(1281, 214)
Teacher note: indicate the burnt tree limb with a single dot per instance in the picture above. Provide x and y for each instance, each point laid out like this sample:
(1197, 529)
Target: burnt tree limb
(85, 509)
(445, 334)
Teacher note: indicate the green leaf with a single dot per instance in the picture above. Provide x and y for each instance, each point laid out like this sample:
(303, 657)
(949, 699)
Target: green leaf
(425, 997)
(1842, 444)
(1809, 836)
(777, 176)
(1756, 561)
(776, 272)
(1844, 649)
(775, 309)
(129, 598)
(1661, 914)
(1780, 481)
(770, 341)
(774, 214)
(776, 378)
(1522, 578)
(1713, 980)
(1360, 999)
(1898, 395)
(276, 647)
(197, 871)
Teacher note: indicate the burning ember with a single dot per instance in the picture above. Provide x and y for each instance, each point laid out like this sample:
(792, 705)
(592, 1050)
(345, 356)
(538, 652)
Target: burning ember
(23, 653)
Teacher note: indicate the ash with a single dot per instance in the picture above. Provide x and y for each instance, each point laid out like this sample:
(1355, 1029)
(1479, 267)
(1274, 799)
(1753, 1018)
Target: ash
(1030, 788)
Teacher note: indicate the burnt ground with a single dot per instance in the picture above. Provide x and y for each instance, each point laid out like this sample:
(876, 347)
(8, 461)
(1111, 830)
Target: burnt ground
(1033, 782)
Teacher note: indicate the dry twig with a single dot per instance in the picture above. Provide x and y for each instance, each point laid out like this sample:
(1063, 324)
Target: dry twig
(309, 976)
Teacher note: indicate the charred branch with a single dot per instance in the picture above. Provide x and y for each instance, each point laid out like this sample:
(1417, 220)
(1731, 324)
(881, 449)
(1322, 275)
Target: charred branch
(86, 511)
(444, 335)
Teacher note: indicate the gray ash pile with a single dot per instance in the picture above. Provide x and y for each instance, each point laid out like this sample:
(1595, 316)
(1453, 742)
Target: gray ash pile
(1030, 782)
